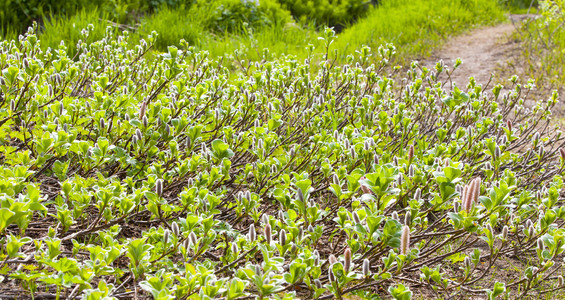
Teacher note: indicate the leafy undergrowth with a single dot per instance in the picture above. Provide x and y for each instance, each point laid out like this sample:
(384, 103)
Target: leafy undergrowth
(543, 45)
(176, 178)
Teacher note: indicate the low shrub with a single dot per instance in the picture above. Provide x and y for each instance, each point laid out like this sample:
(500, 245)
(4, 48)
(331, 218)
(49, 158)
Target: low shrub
(177, 178)
(543, 45)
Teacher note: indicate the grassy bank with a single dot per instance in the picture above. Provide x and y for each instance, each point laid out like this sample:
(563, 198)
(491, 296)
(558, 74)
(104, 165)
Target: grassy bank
(415, 27)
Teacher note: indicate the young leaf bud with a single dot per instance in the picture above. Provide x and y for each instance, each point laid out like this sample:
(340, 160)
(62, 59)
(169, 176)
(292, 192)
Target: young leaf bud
(268, 234)
(347, 260)
(405, 240)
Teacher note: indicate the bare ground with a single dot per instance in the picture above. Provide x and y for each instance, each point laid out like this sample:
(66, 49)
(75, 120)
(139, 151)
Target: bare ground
(484, 52)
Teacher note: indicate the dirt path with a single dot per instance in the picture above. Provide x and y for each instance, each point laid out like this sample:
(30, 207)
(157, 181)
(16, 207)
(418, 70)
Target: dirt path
(482, 51)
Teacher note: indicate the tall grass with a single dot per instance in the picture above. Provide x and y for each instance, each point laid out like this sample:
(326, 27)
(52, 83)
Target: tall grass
(417, 26)
(414, 26)
(68, 29)
(172, 25)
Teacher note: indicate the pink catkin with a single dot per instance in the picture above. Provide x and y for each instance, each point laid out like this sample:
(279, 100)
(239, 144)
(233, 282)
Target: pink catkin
(466, 199)
(405, 240)
(477, 182)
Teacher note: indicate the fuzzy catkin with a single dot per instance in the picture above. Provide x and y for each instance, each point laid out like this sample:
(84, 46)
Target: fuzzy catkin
(347, 261)
(331, 259)
(405, 240)
(366, 267)
(252, 234)
(268, 234)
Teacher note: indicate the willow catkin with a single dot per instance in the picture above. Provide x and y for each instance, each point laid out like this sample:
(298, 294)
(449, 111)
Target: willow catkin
(467, 199)
(405, 240)
(159, 187)
(142, 110)
(268, 234)
(166, 237)
(347, 261)
(175, 228)
(366, 267)
(318, 283)
(332, 259)
(282, 237)
(252, 234)
(410, 153)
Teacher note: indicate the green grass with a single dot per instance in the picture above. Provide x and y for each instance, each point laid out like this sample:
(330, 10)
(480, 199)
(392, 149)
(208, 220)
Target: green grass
(69, 29)
(543, 46)
(416, 26)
